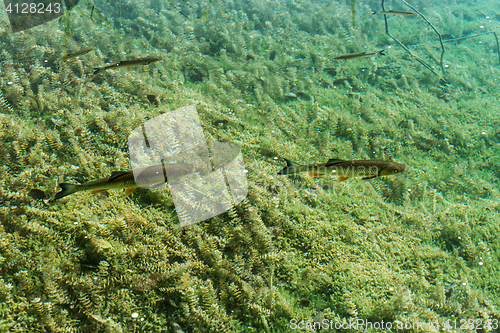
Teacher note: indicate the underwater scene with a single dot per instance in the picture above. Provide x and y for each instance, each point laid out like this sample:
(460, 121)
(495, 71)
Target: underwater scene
(249, 166)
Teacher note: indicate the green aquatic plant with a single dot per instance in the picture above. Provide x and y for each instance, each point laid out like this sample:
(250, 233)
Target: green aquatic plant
(415, 247)
(353, 11)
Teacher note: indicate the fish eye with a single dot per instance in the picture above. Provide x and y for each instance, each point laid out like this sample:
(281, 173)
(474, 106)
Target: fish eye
(396, 170)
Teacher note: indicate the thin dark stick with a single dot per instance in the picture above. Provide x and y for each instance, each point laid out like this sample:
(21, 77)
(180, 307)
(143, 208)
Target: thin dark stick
(423, 63)
(477, 35)
(498, 46)
(435, 30)
(472, 36)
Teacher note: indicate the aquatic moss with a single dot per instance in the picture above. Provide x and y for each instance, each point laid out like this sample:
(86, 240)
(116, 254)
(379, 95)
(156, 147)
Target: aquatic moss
(414, 247)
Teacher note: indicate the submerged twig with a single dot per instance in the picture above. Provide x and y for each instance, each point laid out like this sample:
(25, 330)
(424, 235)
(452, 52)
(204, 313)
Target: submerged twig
(471, 36)
(423, 63)
(477, 35)
(498, 46)
(433, 28)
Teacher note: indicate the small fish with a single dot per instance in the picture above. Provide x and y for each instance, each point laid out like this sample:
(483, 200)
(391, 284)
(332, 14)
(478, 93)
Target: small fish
(37, 194)
(58, 122)
(304, 302)
(152, 99)
(395, 12)
(367, 169)
(272, 55)
(150, 177)
(129, 63)
(38, 103)
(78, 53)
(357, 55)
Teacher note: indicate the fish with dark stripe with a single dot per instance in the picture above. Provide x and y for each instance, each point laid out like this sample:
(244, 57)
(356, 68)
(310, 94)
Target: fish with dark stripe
(78, 53)
(366, 169)
(129, 63)
(149, 177)
(351, 56)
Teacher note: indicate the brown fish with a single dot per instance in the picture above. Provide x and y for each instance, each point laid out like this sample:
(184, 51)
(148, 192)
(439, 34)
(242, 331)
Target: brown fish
(351, 56)
(150, 177)
(367, 169)
(78, 53)
(129, 63)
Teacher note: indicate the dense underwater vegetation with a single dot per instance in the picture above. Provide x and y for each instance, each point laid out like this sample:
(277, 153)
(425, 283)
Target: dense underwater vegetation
(416, 247)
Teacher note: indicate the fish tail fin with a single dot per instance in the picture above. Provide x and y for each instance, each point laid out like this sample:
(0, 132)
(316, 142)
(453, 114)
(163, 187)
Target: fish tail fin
(381, 52)
(290, 168)
(374, 12)
(66, 189)
(97, 70)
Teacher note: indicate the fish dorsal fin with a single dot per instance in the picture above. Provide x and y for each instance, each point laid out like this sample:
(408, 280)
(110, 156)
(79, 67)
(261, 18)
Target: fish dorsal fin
(334, 160)
(116, 174)
(289, 163)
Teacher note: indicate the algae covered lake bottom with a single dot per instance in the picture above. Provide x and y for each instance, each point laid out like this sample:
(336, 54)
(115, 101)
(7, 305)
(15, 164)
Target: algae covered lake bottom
(416, 247)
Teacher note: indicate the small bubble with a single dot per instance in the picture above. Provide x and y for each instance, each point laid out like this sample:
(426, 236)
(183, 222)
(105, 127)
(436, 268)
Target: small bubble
(10, 82)
(135, 315)
(480, 263)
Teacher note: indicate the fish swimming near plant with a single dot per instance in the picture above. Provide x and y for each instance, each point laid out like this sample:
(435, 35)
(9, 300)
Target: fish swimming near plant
(78, 53)
(37, 194)
(395, 12)
(153, 99)
(37, 102)
(149, 177)
(129, 64)
(344, 169)
(351, 56)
